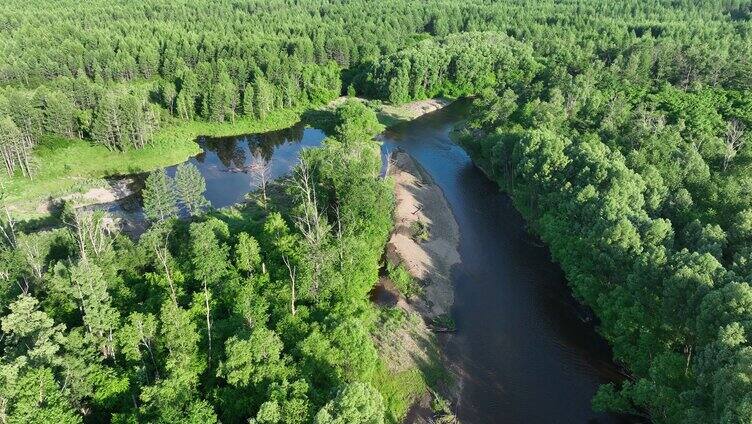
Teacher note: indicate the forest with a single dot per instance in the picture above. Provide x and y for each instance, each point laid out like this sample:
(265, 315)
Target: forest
(620, 129)
(230, 305)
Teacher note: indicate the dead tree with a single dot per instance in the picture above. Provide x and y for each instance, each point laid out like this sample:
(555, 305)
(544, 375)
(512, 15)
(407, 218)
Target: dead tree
(160, 246)
(260, 170)
(734, 141)
(145, 339)
(34, 255)
(293, 271)
(391, 161)
(310, 221)
(340, 234)
(16, 145)
(90, 232)
(8, 229)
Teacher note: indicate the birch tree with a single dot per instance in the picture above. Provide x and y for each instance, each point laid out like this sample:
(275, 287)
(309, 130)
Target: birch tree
(310, 221)
(260, 170)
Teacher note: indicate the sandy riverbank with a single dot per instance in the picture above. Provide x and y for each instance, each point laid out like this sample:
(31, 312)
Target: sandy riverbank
(390, 115)
(419, 200)
(108, 192)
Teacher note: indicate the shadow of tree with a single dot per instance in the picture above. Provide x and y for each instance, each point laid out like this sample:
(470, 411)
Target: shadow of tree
(322, 119)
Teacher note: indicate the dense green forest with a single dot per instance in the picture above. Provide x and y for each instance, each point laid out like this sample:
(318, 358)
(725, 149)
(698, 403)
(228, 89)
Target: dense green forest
(232, 315)
(644, 198)
(621, 129)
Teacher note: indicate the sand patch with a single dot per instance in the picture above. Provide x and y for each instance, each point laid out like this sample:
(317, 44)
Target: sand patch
(390, 115)
(419, 202)
(111, 192)
(393, 114)
(420, 210)
(116, 190)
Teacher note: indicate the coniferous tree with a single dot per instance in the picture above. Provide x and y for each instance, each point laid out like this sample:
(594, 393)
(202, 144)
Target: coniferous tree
(168, 94)
(107, 126)
(160, 199)
(190, 186)
(249, 99)
(60, 115)
(264, 97)
(621, 132)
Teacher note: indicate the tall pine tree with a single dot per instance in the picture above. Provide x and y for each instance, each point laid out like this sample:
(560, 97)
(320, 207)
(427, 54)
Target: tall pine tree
(160, 199)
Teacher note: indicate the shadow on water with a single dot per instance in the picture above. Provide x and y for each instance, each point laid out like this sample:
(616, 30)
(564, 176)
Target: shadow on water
(524, 352)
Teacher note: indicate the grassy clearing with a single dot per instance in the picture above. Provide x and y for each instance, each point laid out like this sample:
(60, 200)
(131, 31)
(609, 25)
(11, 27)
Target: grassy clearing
(410, 361)
(67, 166)
(399, 390)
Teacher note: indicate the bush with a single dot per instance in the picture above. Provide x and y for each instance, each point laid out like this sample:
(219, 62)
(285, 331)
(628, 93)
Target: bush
(420, 231)
(402, 279)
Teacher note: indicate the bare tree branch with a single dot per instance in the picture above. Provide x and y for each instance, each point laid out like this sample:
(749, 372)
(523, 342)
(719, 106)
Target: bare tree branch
(734, 141)
(260, 170)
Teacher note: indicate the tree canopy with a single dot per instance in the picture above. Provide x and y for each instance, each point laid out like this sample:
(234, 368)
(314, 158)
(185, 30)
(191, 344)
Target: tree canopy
(224, 317)
(620, 128)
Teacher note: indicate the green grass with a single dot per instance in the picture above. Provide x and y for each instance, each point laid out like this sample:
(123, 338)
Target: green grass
(390, 115)
(65, 166)
(420, 231)
(399, 390)
(398, 334)
(402, 279)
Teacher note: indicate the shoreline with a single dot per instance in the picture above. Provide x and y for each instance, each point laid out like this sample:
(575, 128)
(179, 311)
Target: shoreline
(419, 199)
(69, 178)
(176, 144)
(421, 202)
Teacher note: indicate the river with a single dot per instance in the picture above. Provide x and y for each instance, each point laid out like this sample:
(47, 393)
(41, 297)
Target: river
(526, 354)
(224, 160)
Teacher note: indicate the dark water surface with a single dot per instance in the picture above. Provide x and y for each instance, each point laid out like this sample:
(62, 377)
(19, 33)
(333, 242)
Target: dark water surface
(527, 354)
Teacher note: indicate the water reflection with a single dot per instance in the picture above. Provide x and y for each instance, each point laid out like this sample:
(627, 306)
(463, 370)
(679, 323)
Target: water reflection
(526, 354)
(235, 152)
(225, 161)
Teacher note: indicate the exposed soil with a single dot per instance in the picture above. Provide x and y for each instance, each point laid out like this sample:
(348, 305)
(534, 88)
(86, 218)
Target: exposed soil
(421, 203)
(115, 190)
(429, 261)
(393, 114)
(412, 110)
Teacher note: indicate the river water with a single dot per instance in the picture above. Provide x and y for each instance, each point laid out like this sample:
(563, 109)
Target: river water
(224, 161)
(224, 164)
(526, 354)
